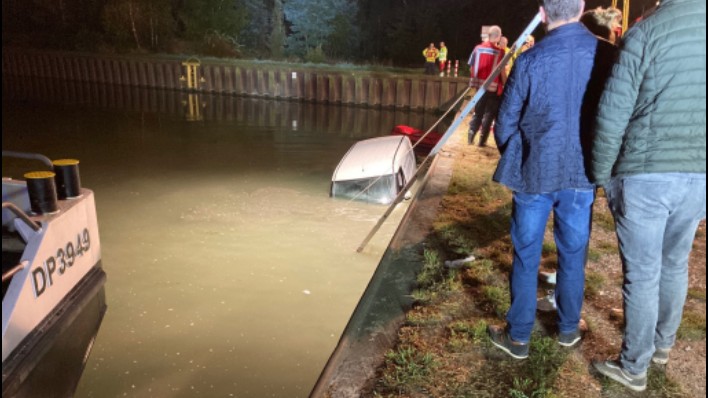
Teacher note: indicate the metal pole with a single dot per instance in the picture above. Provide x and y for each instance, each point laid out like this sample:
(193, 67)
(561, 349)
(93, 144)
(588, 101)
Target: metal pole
(451, 130)
(11, 272)
(625, 17)
(529, 29)
(22, 215)
(27, 155)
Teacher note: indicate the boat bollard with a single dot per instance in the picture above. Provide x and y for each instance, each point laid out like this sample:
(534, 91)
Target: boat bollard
(67, 178)
(42, 192)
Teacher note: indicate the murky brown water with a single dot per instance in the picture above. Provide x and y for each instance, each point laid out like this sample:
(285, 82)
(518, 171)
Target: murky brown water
(230, 270)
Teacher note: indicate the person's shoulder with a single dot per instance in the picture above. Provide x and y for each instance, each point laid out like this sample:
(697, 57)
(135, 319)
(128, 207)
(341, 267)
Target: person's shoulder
(606, 46)
(523, 59)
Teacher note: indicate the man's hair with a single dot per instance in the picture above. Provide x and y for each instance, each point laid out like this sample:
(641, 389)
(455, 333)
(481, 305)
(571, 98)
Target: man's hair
(561, 10)
(613, 12)
(494, 32)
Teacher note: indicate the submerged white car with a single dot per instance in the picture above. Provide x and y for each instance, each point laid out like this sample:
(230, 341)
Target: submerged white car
(375, 170)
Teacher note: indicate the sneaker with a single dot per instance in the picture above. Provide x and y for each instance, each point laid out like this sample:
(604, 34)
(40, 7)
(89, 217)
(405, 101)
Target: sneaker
(548, 277)
(661, 356)
(614, 371)
(569, 339)
(548, 302)
(503, 341)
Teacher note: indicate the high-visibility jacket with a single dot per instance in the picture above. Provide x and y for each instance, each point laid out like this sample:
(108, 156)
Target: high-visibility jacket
(430, 54)
(442, 56)
(482, 62)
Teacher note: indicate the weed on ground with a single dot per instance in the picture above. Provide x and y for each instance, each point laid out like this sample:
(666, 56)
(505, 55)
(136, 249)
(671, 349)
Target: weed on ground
(444, 349)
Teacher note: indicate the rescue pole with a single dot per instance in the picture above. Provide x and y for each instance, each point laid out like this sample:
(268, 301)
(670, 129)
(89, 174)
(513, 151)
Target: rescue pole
(625, 13)
(451, 130)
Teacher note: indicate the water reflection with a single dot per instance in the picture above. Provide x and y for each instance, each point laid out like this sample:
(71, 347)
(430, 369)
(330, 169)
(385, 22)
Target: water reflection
(230, 270)
(293, 115)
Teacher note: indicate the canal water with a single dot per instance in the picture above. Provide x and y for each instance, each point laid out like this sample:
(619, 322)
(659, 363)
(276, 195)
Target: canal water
(231, 272)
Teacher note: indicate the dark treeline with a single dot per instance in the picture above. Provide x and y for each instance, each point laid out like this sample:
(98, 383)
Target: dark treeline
(384, 32)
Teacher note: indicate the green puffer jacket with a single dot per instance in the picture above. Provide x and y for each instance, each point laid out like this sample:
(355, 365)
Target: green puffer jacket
(652, 115)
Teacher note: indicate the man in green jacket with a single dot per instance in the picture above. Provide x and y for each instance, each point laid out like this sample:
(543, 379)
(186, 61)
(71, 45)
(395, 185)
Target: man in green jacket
(649, 153)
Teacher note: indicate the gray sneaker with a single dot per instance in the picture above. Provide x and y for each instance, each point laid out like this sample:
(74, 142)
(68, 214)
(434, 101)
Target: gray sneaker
(569, 339)
(614, 371)
(661, 356)
(500, 338)
(548, 302)
(548, 277)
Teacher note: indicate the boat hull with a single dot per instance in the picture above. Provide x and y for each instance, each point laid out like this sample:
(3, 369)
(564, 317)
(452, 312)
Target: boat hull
(50, 361)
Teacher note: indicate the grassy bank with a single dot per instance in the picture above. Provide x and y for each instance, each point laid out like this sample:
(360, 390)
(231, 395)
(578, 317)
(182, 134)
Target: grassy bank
(443, 348)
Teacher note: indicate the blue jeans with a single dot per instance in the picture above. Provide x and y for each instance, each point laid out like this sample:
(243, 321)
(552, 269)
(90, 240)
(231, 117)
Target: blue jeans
(572, 212)
(656, 217)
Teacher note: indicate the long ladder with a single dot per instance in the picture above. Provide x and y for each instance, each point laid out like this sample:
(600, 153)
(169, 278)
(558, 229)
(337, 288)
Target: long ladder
(451, 130)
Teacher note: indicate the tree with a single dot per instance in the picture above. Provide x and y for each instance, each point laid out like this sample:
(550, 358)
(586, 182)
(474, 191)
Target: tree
(200, 17)
(277, 33)
(343, 42)
(255, 35)
(142, 22)
(312, 22)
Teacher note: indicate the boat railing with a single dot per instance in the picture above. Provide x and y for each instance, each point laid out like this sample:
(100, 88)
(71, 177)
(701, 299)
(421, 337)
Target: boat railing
(27, 155)
(7, 275)
(21, 215)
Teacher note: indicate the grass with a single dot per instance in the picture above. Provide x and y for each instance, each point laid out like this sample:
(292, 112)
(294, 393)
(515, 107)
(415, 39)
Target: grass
(416, 318)
(543, 366)
(697, 294)
(497, 300)
(475, 332)
(480, 272)
(607, 248)
(458, 240)
(693, 326)
(662, 385)
(423, 296)
(593, 284)
(594, 255)
(491, 193)
(604, 220)
(549, 248)
(432, 271)
(409, 368)
(444, 349)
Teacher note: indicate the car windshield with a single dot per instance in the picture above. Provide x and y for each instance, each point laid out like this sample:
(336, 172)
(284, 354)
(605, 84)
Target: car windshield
(376, 190)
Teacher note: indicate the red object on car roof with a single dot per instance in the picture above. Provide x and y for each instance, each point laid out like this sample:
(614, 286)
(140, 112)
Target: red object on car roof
(422, 145)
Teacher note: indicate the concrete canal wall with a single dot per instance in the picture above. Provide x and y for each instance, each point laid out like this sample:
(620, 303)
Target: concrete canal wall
(353, 121)
(276, 81)
(373, 327)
